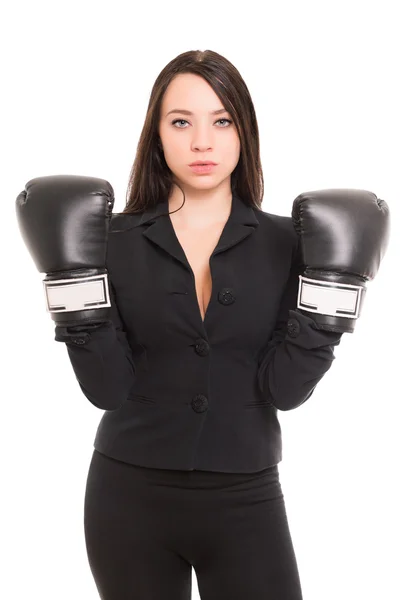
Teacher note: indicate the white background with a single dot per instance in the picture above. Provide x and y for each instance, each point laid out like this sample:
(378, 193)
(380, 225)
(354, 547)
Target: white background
(76, 79)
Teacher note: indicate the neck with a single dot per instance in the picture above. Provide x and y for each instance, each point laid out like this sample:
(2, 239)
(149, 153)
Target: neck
(201, 207)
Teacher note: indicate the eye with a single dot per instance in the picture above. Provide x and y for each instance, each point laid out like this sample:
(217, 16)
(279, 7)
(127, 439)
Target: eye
(184, 121)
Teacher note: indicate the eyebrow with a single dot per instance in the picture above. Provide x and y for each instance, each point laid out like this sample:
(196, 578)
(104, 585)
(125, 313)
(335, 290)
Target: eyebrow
(187, 112)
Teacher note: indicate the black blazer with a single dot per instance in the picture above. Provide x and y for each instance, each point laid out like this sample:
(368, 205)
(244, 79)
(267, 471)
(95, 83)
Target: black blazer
(180, 393)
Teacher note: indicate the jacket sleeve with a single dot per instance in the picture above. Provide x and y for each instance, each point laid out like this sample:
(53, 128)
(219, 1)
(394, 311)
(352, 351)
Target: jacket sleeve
(101, 358)
(298, 354)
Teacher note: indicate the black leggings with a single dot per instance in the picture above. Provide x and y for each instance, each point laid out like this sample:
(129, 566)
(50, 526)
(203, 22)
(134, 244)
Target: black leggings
(146, 528)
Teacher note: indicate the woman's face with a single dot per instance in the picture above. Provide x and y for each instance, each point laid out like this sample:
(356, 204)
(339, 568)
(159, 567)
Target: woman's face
(199, 136)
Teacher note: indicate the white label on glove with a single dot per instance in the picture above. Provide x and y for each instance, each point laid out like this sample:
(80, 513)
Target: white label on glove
(329, 298)
(80, 293)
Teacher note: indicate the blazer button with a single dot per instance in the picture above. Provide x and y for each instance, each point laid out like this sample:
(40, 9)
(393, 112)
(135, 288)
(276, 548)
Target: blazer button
(199, 403)
(202, 347)
(293, 328)
(226, 296)
(79, 341)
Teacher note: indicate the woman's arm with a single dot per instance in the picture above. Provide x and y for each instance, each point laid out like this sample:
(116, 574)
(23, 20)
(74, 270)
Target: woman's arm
(297, 355)
(101, 358)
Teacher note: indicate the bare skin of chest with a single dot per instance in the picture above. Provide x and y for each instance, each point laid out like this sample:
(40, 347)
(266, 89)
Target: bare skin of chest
(198, 246)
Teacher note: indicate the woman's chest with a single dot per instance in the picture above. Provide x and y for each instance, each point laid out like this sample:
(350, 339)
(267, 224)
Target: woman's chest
(198, 245)
(173, 292)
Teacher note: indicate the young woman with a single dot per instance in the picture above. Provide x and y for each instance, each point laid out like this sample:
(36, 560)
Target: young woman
(181, 320)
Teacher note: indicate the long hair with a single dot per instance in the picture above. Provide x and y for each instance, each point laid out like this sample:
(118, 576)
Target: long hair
(150, 179)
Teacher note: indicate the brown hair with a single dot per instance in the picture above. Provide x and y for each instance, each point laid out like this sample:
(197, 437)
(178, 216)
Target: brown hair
(150, 179)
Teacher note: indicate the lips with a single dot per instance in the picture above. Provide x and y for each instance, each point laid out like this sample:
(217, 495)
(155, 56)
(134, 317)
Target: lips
(198, 162)
(202, 169)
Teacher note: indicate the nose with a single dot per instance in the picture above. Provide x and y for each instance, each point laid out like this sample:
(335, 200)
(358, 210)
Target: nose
(202, 139)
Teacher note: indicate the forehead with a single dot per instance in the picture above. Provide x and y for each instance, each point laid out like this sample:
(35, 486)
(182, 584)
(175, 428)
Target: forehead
(190, 92)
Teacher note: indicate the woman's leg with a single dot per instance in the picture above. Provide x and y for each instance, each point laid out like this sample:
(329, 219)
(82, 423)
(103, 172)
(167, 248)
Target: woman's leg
(244, 549)
(126, 532)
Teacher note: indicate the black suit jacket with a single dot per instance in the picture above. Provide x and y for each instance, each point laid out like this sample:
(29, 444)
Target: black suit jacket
(180, 393)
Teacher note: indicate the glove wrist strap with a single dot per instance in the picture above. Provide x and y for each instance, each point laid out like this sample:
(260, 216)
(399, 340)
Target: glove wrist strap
(77, 293)
(330, 297)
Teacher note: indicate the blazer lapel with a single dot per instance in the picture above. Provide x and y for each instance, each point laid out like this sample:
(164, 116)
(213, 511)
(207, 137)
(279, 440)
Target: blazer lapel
(242, 221)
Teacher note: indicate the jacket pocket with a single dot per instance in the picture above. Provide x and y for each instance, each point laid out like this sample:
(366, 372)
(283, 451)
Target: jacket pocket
(259, 404)
(142, 399)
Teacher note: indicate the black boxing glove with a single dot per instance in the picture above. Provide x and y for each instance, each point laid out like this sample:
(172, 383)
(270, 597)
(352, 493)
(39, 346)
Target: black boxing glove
(344, 234)
(64, 221)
